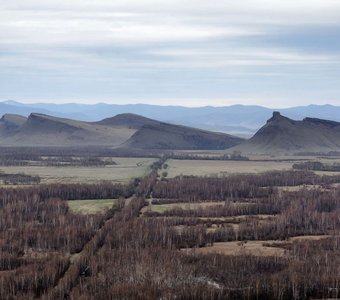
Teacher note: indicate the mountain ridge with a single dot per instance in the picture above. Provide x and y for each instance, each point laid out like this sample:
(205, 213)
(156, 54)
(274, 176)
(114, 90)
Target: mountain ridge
(242, 120)
(282, 135)
(124, 130)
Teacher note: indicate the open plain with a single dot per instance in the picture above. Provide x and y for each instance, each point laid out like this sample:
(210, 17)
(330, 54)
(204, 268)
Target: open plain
(124, 170)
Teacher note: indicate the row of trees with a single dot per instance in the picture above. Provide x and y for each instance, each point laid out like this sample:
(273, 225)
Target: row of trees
(317, 166)
(22, 159)
(14, 179)
(77, 191)
(193, 189)
(33, 153)
(48, 252)
(184, 156)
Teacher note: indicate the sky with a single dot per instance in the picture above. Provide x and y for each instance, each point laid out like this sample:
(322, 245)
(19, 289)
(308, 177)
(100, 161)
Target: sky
(276, 53)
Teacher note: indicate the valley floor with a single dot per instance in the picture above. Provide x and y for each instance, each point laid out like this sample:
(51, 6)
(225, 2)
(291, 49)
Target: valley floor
(267, 232)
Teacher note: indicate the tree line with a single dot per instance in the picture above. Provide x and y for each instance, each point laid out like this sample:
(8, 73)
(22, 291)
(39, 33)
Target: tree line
(48, 252)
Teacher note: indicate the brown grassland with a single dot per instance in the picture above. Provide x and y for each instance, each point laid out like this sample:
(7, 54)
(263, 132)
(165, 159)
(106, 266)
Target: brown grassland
(124, 170)
(257, 164)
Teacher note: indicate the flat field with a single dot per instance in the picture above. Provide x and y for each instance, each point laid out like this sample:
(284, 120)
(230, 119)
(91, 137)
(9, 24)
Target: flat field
(258, 248)
(256, 164)
(125, 170)
(220, 168)
(90, 206)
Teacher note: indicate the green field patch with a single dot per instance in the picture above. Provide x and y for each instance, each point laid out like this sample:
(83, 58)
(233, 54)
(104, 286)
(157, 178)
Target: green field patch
(91, 206)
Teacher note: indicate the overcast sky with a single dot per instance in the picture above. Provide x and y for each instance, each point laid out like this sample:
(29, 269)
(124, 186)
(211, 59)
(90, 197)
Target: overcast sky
(186, 52)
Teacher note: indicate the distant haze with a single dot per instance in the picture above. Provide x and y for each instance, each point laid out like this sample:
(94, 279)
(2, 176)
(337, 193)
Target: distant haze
(241, 120)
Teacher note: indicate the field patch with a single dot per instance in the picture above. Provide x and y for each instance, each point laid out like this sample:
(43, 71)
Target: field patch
(91, 206)
(220, 168)
(125, 170)
(257, 248)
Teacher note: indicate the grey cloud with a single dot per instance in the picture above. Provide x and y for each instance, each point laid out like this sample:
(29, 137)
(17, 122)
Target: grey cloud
(246, 49)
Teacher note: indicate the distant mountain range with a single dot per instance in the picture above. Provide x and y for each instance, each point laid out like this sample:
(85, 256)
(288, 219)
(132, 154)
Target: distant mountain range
(122, 131)
(239, 120)
(281, 135)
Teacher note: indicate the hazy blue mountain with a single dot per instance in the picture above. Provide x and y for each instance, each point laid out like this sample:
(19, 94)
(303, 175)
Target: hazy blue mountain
(236, 119)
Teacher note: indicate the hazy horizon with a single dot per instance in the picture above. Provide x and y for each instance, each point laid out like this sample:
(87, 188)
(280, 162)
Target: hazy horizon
(33, 102)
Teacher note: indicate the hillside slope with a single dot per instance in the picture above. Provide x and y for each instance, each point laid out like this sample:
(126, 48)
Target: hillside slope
(129, 120)
(166, 136)
(44, 130)
(10, 122)
(281, 135)
(125, 130)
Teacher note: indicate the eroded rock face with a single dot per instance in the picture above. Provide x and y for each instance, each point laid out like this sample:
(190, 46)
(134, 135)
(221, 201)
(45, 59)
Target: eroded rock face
(281, 135)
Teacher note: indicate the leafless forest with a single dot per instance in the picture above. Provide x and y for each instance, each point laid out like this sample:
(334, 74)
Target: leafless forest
(133, 251)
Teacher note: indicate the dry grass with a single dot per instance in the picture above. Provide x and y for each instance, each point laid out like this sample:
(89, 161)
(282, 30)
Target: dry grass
(257, 248)
(239, 248)
(300, 187)
(256, 164)
(326, 173)
(90, 206)
(125, 170)
(308, 237)
(212, 167)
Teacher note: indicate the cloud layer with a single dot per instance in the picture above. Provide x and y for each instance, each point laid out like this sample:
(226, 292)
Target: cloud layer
(198, 52)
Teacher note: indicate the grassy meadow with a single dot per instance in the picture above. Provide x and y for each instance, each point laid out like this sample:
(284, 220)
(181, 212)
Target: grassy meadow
(222, 168)
(126, 168)
(91, 206)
